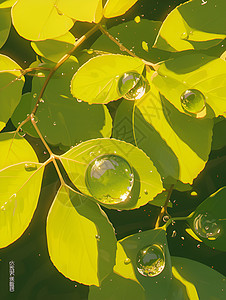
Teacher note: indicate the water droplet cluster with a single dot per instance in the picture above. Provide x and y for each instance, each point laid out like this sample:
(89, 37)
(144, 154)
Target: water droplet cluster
(132, 85)
(193, 101)
(109, 179)
(206, 226)
(151, 260)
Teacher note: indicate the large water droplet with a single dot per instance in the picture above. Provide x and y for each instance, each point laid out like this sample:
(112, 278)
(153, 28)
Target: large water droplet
(30, 167)
(132, 85)
(109, 178)
(206, 226)
(193, 101)
(151, 260)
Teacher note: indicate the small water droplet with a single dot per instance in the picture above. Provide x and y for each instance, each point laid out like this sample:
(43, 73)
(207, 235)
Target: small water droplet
(29, 167)
(166, 218)
(137, 19)
(107, 180)
(206, 226)
(97, 237)
(78, 100)
(150, 260)
(54, 123)
(34, 95)
(193, 101)
(146, 192)
(132, 85)
(41, 100)
(184, 36)
(174, 233)
(127, 261)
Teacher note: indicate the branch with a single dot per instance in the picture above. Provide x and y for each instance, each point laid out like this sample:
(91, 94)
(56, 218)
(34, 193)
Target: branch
(123, 48)
(164, 208)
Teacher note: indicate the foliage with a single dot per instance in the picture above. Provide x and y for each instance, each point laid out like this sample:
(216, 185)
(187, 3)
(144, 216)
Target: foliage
(135, 111)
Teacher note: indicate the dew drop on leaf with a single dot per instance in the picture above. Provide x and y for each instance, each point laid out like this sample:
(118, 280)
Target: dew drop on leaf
(206, 226)
(132, 85)
(127, 261)
(151, 260)
(193, 101)
(97, 237)
(30, 167)
(109, 178)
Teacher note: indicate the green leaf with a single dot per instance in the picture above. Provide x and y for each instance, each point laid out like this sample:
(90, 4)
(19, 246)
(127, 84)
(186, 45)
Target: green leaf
(56, 48)
(43, 20)
(115, 287)
(155, 287)
(144, 31)
(97, 80)
(20, 181)
(20, 188)
(178, 144)
(147, 182)
(5, 24)
(7, 3)
(60, 118)
(87, 11)
(160, 200)
(194, 71)
(219, 137)
(193, 25)
(114, 8)
(208, 221)
(192, 281)
(14, 149)
(11, 85)
(81, 240)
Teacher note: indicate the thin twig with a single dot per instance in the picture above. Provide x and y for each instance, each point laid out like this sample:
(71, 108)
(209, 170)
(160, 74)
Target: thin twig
(164, 208)
(123, 48)
(61, 61)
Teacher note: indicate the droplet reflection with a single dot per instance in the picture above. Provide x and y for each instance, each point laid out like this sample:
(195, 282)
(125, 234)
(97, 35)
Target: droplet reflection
(132, 85)
(193, 101)
(206, 226)
(109, 178)
(151, 260)
(29, 167)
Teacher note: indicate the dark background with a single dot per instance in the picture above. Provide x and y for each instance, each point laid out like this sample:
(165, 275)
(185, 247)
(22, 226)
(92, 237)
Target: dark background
(35, 276)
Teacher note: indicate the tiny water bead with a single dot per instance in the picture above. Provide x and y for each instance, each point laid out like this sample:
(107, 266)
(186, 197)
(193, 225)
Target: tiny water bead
(193, 101)
(30, 167)
(206, 226)
(151, 260)
(109, 179)
(132, 85)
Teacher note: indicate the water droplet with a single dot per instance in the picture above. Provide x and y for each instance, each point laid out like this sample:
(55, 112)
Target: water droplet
(54, 123)
(174, 233)
(34, 95)
(184, 36)
(151, 260)
(146, 192)
(107, 179)
(97, 237)
(206, 226)
(193, 101)
(132, 85)
(127, 261)
(137, 19)
(30, 167)
(78, 100)
(41, 100)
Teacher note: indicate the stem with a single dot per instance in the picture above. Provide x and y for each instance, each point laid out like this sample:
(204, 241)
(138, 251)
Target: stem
(61, 61)
(123, 48)
(164, 208)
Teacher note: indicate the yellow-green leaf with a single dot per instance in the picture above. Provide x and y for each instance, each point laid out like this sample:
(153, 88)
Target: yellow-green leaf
(20, 188)
(11, 85)
(193, 25)
(147, 181)
(42, 21)
(81, 240)
(7, 3)
(86, 11)
(5, 24)
(114, 8)
(97, 80)
(54, 49)
(195, 71)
